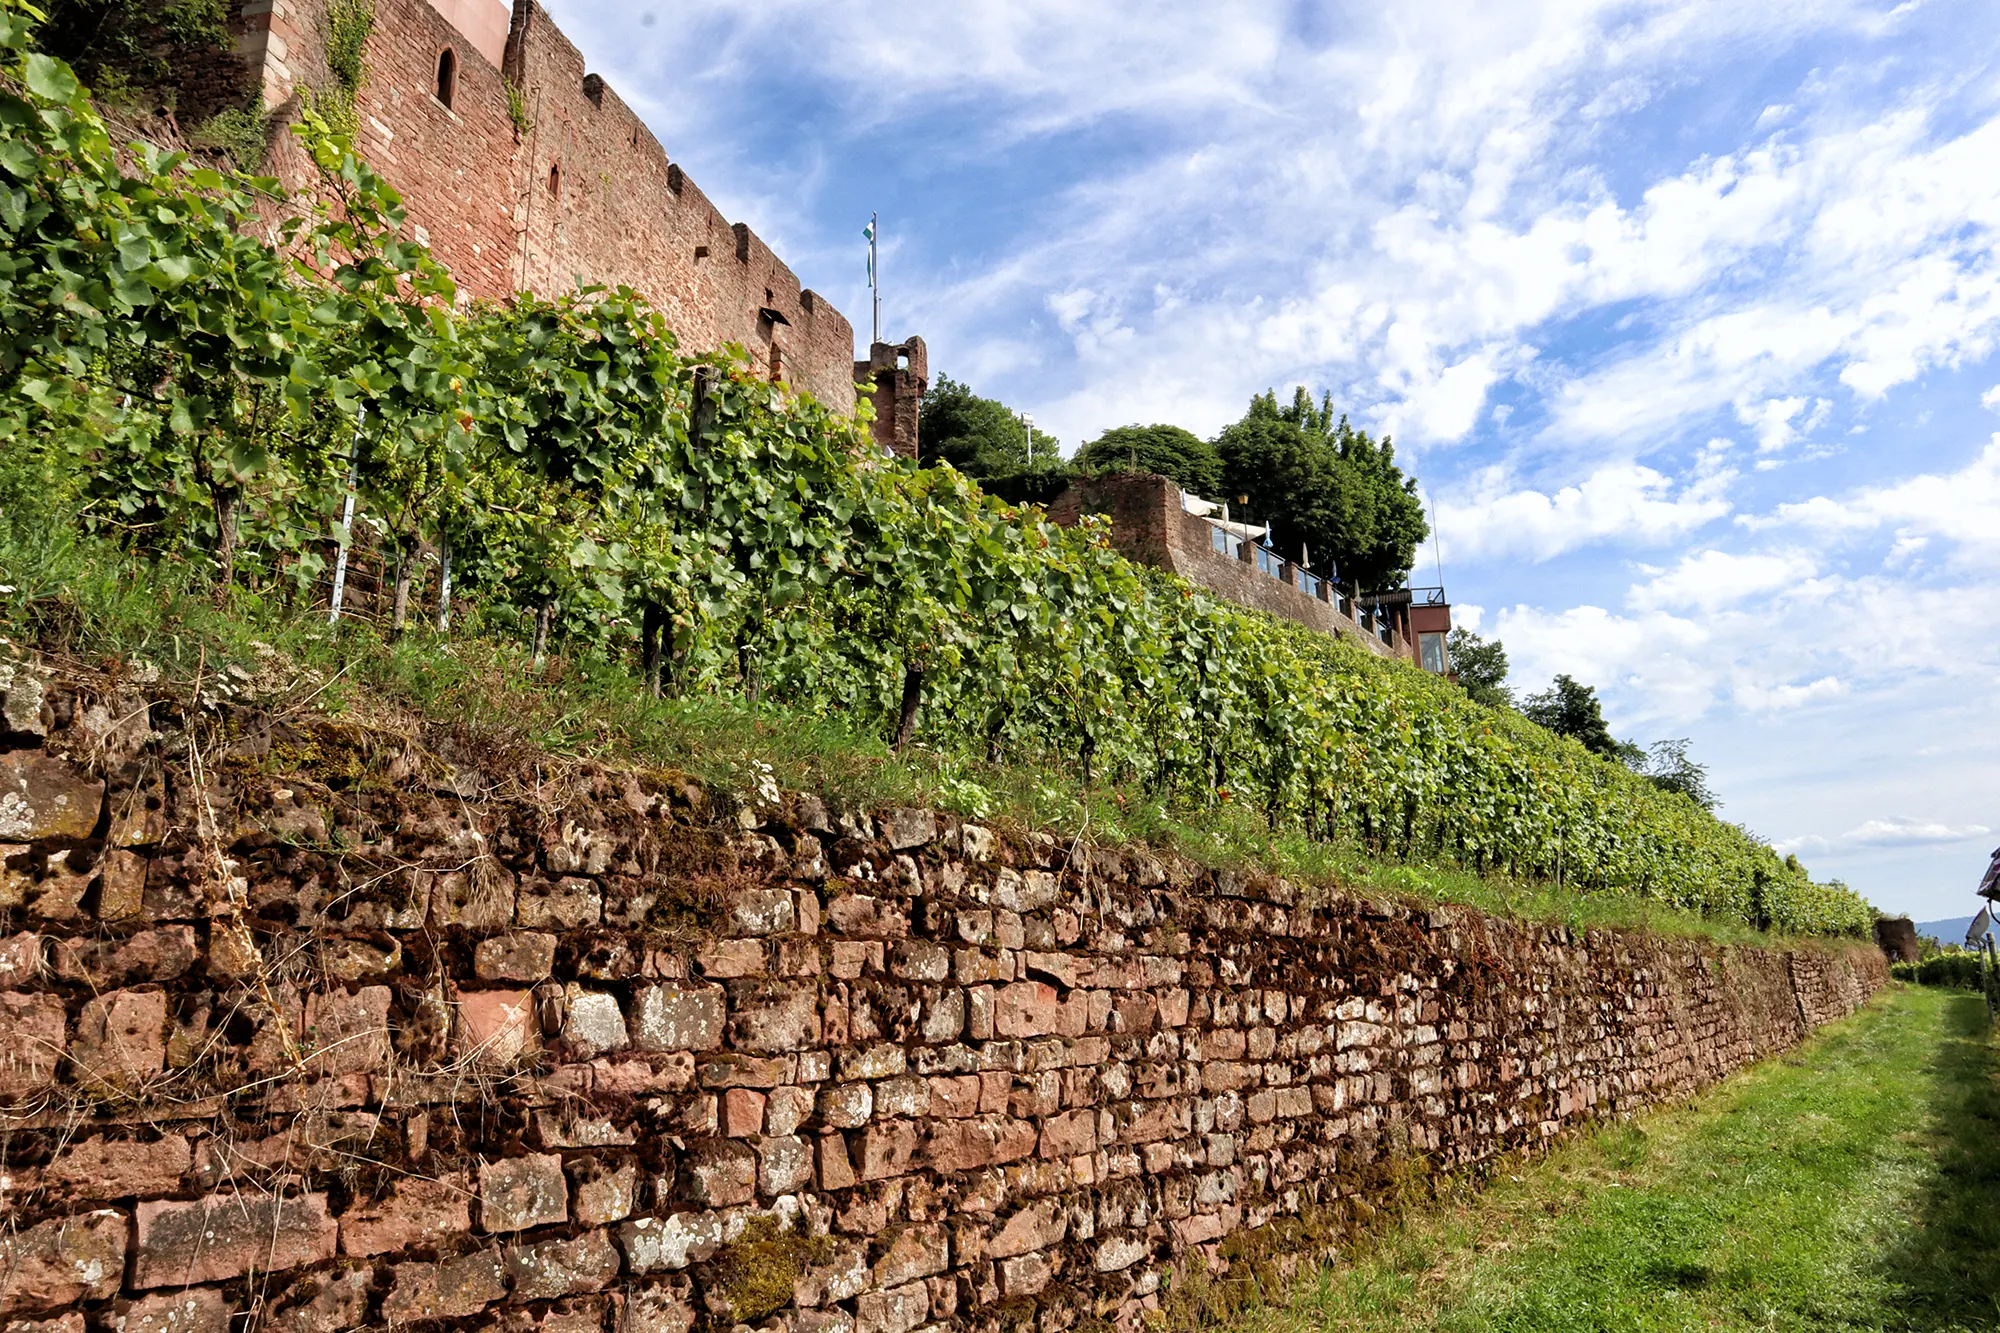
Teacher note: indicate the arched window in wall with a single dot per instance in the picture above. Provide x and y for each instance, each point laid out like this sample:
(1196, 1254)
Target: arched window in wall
(447, 81)
(555, 180)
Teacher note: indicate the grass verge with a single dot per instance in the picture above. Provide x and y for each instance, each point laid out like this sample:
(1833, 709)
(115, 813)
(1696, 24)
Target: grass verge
(1854, 1184)
(89, 606)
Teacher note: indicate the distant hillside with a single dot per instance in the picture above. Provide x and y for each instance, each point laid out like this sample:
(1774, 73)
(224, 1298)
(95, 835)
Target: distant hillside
(1950, 931)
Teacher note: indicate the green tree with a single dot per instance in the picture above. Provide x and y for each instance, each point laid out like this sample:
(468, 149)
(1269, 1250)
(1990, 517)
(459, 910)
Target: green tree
(1668, 767)
(1569, 708)
(1329, 490)
(1481, 668)
(1181, 456)
(981, 437)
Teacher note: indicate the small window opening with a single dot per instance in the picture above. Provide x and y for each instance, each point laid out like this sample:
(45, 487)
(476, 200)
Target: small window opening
(555, 179)
(447, 76)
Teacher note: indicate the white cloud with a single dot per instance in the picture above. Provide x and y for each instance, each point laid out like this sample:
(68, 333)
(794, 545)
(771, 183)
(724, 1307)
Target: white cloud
(1629, 503)
(1708, 580)
(1961, 507)
(1889, 831)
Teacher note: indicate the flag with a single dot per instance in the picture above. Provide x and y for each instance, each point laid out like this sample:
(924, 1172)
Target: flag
(868, 232)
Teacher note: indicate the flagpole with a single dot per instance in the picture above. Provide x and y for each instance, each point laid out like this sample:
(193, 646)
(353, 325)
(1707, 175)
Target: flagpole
(875, 273)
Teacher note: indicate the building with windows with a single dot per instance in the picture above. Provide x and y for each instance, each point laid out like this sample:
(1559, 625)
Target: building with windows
(1154, 522)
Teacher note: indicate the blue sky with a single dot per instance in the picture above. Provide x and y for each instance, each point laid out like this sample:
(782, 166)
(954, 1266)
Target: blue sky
(1684, 314)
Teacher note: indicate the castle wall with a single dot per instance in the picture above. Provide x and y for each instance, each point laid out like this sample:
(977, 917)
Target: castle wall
(582, 192)
(333, 1025)
(1149, 527)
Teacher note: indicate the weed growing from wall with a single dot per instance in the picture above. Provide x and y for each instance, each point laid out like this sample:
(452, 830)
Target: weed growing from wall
(346, 28)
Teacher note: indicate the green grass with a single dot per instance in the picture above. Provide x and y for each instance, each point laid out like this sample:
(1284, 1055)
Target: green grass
(90, 606)
(1854, 1184)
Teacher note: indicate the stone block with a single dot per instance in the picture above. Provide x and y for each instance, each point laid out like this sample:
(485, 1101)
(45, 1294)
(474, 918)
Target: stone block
(334, 1302)
(496, 1028)
(350, 959)
(784, 1165)
(967, 1145)
(953, 1098)
(227, 1234)
(1024, 1276)
(62, 1323)
(786, 1109)
(720, 1173)
(1037, 1226)
(415, 1211)
(907, 829)
(593, 1024)
(196, 1310)
(1069, 1135)
(742, 1113)
(678, 1017)
(33, 1038)
(20, 960)
(46, 800)
(1118, 1252)
(517, 1193)
(850, 959)
(103, 1168)
(913, 1252)
(747, 1071)
(347, 1034)
(1018, 892)
(887, 1148)
(882, 1061)
(896, 1311)
(730, 959)
(755, 912)
(847, 1105)
(905, 1096)
(649, 1309)
(121, 1040)
(862, 916)
(553, 1268)
(526, 956)
(768, 1019)
(1026, 1009)
(944, 1018)
(663, 1244)
(63, 1261)
(840, 1277)
(836, 1167)
(456, 1289)
(602, 1193)
(150, 955)
(919, 960)
(566, 904)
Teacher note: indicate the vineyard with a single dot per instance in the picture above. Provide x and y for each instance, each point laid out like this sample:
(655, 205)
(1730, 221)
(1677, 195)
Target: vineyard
(201, 370)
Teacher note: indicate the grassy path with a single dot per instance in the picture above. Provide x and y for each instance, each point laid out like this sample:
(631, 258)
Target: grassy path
(1854, 1184)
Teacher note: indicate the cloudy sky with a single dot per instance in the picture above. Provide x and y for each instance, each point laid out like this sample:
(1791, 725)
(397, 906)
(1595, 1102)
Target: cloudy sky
(1684, 313)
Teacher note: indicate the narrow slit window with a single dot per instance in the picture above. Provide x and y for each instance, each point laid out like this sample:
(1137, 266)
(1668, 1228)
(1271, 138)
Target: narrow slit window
(447, 76)
(555, 180)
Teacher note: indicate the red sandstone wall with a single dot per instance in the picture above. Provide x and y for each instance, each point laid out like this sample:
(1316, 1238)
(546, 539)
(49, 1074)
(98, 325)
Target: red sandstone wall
(317, 1028)
(616, 212)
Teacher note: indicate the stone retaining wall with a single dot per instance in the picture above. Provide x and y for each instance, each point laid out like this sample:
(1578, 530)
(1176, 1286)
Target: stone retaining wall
(313, 1026)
